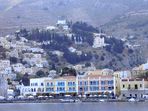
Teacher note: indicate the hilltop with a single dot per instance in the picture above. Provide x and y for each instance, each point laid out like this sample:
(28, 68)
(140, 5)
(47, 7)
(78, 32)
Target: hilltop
(132, 26)
(15, 14)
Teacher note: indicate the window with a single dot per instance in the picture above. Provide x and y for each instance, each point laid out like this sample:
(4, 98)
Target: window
(123, 95)
(102, 82)
(85, 88)
(94, 82)
(96, 88)
(141, 95)
(109, 88)
(141, 85)
(91, 83)
(39, 89)
(47, 84)
(97, 82)
(47, 89)
(129, 86)
(36, 84)
(110, 82)
(61, 83)
(81, 89)
(42, 84)
(85, 82)
(123, 86)
(74, 88)
(69, 83)
(70, 89)
(91, 88)
(102, 88)
(136, 86)
(63, 89)
(80, 82)
(43, 90)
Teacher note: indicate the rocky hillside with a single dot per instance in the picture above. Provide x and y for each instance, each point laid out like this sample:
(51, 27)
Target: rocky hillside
(132, 26)
(64, 50)
(38, 13)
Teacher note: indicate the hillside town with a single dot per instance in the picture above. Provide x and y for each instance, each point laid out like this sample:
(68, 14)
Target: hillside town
(25, 72)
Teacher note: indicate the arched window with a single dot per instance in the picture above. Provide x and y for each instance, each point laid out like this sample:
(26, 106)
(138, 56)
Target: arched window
(39, 89)
(34, 90)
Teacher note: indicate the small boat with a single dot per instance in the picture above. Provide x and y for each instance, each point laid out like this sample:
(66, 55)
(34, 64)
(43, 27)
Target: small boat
(77, 101)
(79, 96)
(40, 97)
(95, 95)
(84, 96)
(101, 100)
(20, 97)
(10, 98)
(68, 96)
(67, 100)
(30, 97)
(50, 96)
(2, 98)
(132, 100)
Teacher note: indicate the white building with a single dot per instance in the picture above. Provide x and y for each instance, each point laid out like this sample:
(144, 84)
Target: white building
(18, 67)
(61, 22)
(13, 53)
(123, 74)
(145, 66)
(99, 40)
(5, 67)
(72, 49)
(58, 53)
(4, 43)
(51, 28)
(7, 70)
(10, 92)
(35, 50)
(36, 86)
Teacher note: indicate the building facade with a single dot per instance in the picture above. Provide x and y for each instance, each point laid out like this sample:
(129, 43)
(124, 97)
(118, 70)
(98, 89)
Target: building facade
(99, 40)
(97, 84)
(133, 88)
(71, 85)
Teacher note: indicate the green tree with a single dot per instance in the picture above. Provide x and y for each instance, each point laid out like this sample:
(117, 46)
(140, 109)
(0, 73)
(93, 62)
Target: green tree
(25, 80)
(40, 73)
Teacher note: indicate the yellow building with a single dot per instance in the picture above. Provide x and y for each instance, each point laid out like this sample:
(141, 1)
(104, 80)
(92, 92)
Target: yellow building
(135, 88)
(61, 85)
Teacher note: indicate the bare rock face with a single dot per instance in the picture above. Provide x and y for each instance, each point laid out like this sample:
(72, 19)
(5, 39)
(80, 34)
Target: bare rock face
(42, 12)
